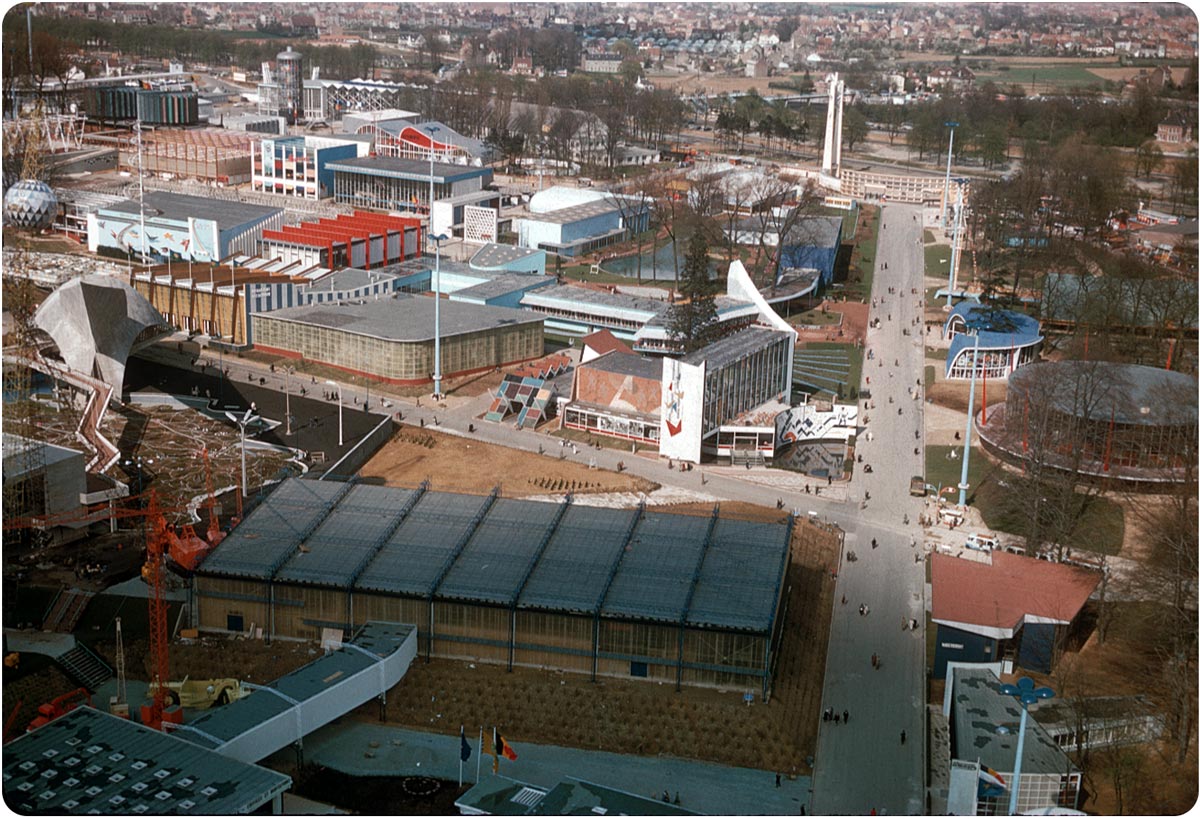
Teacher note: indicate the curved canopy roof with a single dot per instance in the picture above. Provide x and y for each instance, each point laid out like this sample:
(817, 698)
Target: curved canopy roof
(95, 320)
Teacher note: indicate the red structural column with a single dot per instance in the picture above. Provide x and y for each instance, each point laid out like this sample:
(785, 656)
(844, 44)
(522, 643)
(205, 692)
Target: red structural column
(983, 415)
(1170, 353)
(1025, 433)
(1108, 443)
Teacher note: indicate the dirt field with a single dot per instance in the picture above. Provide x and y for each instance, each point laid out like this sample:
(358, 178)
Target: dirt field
(853, 327)
(640, 717)
(451, 464)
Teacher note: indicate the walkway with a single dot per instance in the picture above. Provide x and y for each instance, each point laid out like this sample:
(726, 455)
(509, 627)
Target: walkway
(367, 749)
(863, 765)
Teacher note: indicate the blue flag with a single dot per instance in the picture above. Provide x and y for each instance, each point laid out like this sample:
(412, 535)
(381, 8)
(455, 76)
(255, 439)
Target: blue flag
(465, 753)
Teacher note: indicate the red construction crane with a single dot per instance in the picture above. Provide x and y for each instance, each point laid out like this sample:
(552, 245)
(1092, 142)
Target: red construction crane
(156, 544)
(159, 537)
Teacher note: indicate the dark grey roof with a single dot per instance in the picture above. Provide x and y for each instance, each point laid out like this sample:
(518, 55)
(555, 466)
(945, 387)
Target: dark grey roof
(815, 231)
(178, 207)
(473, 548)
(574, 797)
(742, 562)
(574, 213)
(275, 529)
(501, 551)
(734, 347)
(402, 317)
(503, 284)
(639, 366)
(348, 279)
(91, 762)
(979, 709)
(601, 299)
(417, 552)
(220, 725)
(655, 576)
(398, 167)
(574, 570)
(348, 538)
(494, 255)
(1125, 393)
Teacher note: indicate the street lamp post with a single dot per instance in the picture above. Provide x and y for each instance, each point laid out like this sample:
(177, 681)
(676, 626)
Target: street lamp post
(437, 316)
(1027, 695)
(338, 390)
(954, 249)
(432, 129)
(962, 483)
(287, 400)
(248, 418)
(949, 157)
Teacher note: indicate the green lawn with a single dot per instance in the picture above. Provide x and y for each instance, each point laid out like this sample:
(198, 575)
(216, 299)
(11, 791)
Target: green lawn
(937, 261)
(1101, 530)
(939, 353)
(1057, 75)
(929, 238)
(816, 318)
(855, 358)
(866, 261)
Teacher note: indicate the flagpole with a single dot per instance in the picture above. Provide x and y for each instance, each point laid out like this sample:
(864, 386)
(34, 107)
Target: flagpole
(461, 730)
(480, 757)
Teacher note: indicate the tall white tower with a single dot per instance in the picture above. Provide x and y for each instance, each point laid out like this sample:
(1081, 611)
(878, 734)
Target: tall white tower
(831, 158)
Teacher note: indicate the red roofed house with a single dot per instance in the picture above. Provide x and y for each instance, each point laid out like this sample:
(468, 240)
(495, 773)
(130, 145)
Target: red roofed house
(1011, 608)
(599, 343)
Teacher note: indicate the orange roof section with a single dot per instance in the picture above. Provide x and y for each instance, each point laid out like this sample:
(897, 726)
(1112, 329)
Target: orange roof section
(603, 341)
(1013, 587)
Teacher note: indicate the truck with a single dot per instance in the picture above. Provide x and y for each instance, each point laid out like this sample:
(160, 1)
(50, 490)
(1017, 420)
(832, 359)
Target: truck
(916, 486)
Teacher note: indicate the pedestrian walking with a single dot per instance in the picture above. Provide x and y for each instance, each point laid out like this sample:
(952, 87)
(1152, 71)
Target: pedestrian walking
(843, 599)
(778, 780)
(846, 717)
(862, 610)
(836, 718)
(903, 736)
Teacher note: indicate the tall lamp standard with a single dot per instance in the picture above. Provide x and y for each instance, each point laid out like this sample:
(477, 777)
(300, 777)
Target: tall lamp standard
(432, 129)
(955, 248)
(249, 418)
(437, 315)
(338, 390)
(949, 157)
(962, 483)
(287, 399)
(1027, 695)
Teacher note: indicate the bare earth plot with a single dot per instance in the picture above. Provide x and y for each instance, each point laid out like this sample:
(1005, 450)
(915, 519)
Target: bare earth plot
(454, 464)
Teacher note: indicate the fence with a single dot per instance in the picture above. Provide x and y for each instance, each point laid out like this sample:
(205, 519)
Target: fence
(361, 452)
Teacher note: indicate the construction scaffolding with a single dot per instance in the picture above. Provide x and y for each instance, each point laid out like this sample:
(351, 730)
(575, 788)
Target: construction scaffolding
(209, 154)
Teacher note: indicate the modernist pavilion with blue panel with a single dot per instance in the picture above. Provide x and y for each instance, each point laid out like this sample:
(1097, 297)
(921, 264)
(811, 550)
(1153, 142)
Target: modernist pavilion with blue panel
(1007, 340)
(683, 599)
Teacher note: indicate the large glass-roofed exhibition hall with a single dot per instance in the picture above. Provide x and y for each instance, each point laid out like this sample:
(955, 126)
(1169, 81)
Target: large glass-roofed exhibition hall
(692, 600)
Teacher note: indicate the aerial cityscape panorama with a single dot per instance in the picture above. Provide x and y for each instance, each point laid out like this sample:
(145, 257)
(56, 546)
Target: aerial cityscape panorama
(600, 408)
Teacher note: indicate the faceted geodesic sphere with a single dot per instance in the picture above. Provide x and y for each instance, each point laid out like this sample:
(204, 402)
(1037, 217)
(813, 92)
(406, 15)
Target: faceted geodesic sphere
(30, 204)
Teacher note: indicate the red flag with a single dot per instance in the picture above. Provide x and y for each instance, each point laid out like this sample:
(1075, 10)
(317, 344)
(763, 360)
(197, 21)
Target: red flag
(505, 749)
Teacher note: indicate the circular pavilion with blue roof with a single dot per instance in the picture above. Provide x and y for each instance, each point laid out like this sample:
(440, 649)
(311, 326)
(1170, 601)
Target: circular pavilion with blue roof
(1006, 340)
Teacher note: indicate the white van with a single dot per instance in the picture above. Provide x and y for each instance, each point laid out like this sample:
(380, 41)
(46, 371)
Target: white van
(983, 541)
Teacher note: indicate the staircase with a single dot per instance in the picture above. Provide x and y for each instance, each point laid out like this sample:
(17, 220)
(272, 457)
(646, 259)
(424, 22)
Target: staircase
(84, 667)
(66, 610)
(747, 456)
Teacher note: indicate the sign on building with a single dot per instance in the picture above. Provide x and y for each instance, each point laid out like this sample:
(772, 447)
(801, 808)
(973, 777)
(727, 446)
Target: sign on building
(479, 224)
(682, 410)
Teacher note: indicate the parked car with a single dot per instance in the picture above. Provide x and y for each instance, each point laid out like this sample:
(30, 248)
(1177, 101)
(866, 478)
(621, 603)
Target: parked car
(983, 541)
